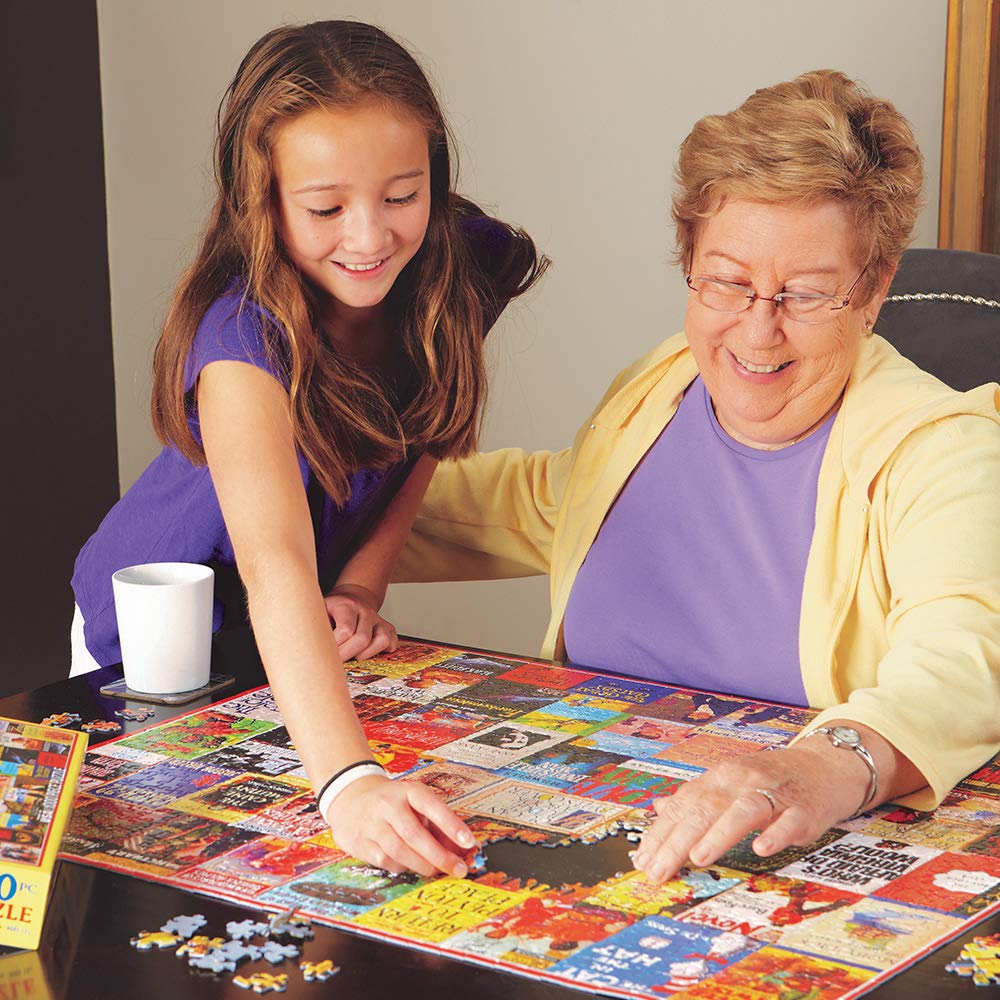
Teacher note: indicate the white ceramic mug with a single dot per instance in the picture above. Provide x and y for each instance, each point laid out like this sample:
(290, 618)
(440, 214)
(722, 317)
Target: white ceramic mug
(164, 613)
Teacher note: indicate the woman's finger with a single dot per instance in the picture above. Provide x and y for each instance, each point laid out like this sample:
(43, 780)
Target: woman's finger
(666, 845)
(794, 827)
(750, 810)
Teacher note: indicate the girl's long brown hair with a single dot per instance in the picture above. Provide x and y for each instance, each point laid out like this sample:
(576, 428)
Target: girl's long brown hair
(342, 416)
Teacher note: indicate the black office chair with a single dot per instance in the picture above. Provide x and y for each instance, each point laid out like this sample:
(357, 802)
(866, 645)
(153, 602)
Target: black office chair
(943, 313)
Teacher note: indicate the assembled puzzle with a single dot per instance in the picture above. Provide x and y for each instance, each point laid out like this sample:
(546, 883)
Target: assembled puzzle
(217, 802)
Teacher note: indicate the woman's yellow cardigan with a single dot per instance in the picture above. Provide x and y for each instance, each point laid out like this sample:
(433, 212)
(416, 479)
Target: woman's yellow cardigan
(900, 616)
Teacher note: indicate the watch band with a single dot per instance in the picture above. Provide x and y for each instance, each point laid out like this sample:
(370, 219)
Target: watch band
(850, 739)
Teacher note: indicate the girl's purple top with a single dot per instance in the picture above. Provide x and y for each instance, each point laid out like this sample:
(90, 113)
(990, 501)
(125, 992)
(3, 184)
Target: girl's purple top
(171, 512)
(712, 600)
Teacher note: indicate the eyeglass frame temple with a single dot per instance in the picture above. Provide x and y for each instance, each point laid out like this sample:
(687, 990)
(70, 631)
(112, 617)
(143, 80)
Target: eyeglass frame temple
(850, 291)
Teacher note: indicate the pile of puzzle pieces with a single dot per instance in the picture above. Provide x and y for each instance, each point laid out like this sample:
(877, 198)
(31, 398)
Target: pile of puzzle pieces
(219, 955)
(979, 960)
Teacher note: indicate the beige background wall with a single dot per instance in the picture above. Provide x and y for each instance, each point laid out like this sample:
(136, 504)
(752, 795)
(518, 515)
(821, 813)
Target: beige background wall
(567, 113)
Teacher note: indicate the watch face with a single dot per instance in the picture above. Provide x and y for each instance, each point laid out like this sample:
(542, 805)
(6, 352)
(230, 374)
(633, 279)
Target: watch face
(846, 735)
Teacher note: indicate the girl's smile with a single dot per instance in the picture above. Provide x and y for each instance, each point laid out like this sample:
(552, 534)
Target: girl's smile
(363, 271)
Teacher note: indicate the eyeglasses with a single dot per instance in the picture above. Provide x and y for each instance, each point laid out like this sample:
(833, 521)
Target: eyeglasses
(801, 307)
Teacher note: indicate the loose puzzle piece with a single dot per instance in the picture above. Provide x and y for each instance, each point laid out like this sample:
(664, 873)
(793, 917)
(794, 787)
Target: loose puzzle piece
(100, 726)
(276, 953)
(286, 924)
(183, 925)
(61, 720)
(135, 714)
(243, 930)
(215, 961)
(237, 951)
(200, 944)
(318, 971)
(262, 982)
(147, 940)
(979, 961)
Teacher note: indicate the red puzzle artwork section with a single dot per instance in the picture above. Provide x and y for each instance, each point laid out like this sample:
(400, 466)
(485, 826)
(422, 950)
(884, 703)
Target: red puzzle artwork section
(217, 802)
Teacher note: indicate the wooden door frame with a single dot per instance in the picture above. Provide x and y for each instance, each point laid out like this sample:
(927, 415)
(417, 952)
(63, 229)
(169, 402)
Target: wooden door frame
(969, 216)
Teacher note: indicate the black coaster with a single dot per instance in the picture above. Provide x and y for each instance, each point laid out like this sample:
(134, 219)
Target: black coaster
(216, 682)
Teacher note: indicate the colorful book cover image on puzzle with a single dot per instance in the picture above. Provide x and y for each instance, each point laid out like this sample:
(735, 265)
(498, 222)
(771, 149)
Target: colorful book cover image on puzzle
(38, 773)
(217, 802)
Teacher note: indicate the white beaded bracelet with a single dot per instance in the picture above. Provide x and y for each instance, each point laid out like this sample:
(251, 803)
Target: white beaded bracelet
(340, 781)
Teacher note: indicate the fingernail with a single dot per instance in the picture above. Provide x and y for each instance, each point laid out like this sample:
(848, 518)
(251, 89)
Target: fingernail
(640, 859)
(762, 847)
(655, 872)
(465, 838)
(460, 871)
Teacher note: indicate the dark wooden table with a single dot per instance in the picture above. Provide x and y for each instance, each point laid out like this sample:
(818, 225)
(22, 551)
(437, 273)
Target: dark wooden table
(85, 952)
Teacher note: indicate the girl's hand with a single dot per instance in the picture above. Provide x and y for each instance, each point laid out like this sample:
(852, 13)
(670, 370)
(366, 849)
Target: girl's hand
(360, 631)
(811, 787)
(400, 826)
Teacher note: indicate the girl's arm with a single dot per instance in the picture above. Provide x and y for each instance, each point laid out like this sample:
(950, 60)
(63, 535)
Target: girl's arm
(247, 434)
(354, 603)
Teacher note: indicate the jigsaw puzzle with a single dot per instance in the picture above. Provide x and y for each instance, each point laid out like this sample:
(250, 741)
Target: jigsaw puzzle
(979, 961)
(217, 802)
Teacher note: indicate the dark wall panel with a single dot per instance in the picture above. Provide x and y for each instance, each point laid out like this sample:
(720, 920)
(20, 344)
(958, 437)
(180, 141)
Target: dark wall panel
(57, 410)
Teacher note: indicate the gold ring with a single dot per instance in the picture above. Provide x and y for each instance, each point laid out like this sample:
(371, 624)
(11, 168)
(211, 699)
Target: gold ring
(769, 795)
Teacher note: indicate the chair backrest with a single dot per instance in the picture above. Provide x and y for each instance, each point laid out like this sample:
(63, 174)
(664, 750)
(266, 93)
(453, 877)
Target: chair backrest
(943, 313)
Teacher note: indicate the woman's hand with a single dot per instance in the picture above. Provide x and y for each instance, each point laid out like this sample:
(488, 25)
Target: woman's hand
(810, 787)
(400, 826)
(360, 631)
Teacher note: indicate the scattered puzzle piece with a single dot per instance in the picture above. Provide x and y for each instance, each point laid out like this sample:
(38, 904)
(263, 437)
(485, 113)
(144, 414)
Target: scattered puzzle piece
(61, 720)
(214, 961)
(183, 925)
(101, 726)
(239, 950)
(979, 960)
(262, 982)
(134, 714)
(243, 930)
(287, 924)
(276, 953)
(147, 940)
(200, 944)
(318, 971)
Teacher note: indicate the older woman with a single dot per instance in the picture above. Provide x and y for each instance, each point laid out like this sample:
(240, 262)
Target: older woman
(774, 503)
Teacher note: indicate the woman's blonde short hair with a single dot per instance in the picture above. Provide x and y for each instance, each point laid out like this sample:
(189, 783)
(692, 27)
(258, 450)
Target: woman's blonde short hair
(820, 136)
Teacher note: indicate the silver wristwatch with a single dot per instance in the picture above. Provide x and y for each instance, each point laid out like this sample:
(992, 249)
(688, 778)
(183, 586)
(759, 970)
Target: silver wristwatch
(850, 739)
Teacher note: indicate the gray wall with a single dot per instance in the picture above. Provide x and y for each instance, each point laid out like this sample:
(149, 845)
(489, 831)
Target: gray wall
(568, 114)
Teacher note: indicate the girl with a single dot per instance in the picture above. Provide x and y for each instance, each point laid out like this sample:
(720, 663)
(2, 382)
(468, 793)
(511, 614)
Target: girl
(322, 351)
